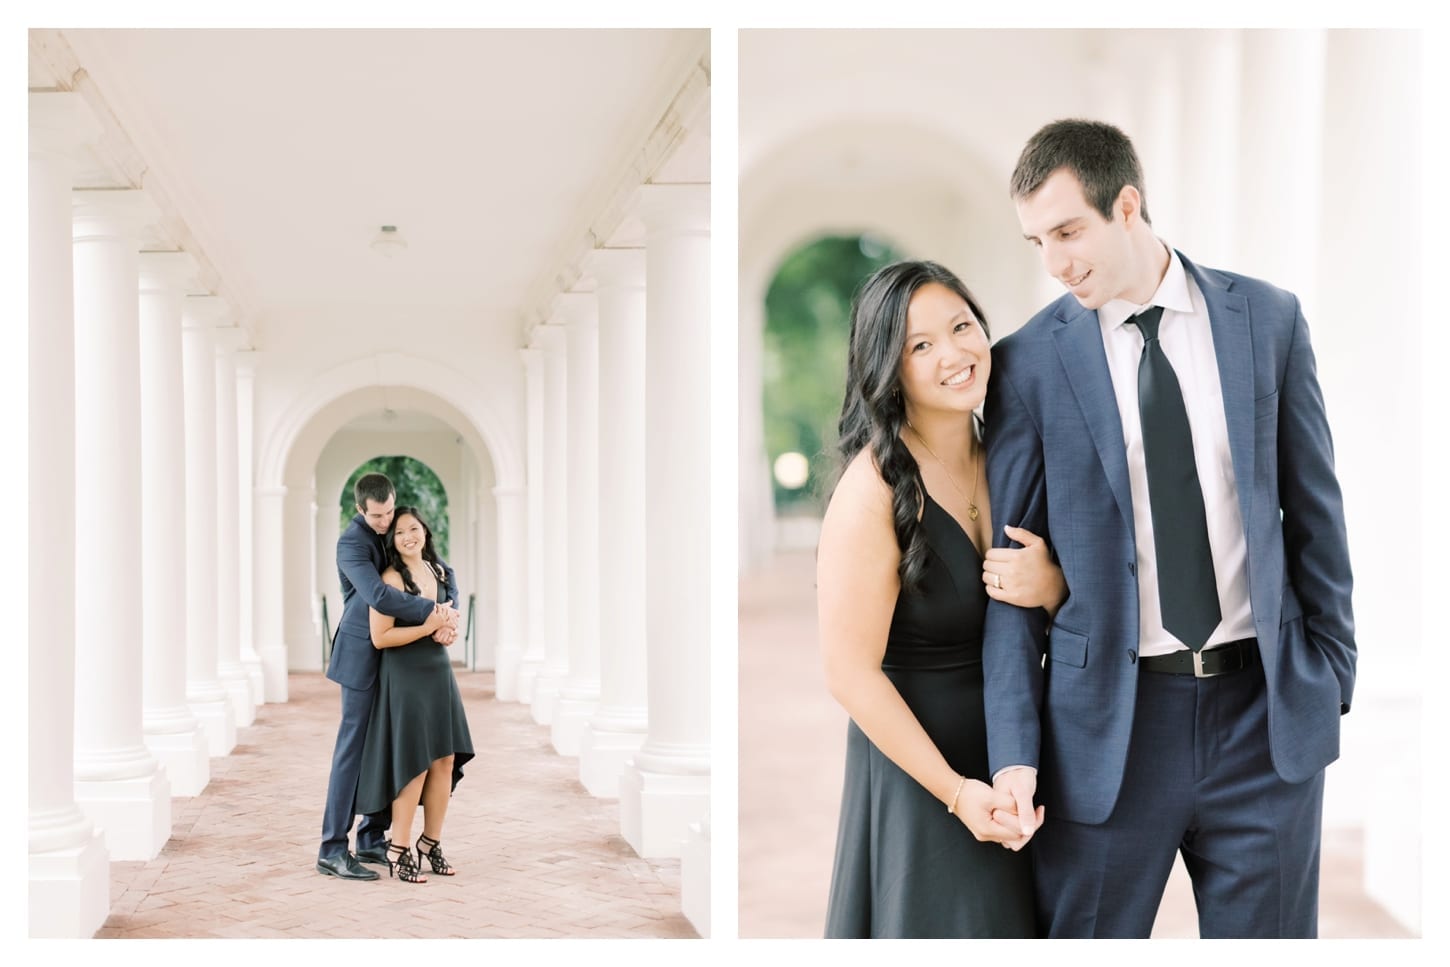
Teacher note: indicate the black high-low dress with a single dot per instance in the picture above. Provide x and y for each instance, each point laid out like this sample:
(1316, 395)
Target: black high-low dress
(417, 717)
(904, 867)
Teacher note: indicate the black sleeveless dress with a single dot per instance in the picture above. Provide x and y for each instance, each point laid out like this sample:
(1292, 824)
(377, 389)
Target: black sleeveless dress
(417, 717)
(904, 867)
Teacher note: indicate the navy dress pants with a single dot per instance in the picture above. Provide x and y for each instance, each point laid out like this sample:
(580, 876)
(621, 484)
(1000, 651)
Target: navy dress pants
(357, 706)
(1199, 781)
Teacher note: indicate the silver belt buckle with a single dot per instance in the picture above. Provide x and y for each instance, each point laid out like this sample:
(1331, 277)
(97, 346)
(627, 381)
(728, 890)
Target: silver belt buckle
(1198, 664)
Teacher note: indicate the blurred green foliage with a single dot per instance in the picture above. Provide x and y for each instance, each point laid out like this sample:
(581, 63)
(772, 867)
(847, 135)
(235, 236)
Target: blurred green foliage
(807, 329)
(416, 485)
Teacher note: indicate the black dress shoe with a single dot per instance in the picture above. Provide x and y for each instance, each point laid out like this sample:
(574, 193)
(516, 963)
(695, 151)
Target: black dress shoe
(378, 855)
(345, 866)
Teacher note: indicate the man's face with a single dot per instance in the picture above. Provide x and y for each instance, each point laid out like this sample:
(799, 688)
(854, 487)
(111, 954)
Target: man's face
(379, 516)
(1084, 251)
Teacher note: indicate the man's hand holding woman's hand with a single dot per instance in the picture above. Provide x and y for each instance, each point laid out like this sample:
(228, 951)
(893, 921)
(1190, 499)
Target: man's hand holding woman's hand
(444, 623)
(991, 815)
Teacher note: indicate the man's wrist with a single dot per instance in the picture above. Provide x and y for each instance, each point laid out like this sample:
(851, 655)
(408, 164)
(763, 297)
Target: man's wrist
(1006, 769)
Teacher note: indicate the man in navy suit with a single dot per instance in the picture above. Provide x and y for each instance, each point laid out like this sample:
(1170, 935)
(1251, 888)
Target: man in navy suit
(361, 558)
(1161, 425)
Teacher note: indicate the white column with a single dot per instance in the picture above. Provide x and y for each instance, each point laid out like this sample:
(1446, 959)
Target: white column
(299, 577)
(69, 874)
(556, 525)
(1209, 147)
(246, 387)
(579, 693)
(1280, 164)
(1375, 97)
(204, 691)
(667, 785)
(533, 657)
(617, 728)
(172, 733)
(267, 570)
(119, 783)
(511, 507)
(695, 876)
(234, 678)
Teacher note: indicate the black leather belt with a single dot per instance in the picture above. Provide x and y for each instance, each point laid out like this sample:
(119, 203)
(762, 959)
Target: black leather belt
(1210, 662)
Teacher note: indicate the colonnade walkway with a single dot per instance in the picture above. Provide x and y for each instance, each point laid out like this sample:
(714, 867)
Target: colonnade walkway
(792, 753)
(537, 855)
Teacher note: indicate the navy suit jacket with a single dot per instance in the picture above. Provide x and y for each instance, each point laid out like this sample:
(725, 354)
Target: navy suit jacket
(1057, 465)
(360, 562)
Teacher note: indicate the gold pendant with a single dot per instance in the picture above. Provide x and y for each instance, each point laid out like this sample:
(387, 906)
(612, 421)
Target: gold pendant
(972, 511)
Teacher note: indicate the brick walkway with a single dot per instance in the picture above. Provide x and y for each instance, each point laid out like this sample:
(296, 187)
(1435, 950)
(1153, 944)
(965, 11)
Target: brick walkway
(792, 748)
(537, 855)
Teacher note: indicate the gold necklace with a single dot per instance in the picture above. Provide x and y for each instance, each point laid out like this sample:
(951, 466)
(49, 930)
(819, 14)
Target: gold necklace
(971, 501)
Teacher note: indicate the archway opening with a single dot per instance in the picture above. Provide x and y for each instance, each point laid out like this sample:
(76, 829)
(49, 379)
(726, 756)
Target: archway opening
(807, 327)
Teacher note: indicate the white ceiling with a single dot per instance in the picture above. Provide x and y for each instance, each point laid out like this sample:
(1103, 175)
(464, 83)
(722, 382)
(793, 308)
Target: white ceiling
(494, 152)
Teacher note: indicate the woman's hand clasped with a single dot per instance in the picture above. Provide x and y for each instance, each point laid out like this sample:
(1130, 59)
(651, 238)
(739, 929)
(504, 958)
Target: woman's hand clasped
(1025, 576)
(983, 811)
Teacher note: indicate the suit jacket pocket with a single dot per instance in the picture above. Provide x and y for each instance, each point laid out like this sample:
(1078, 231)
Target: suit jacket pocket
(1067, 647)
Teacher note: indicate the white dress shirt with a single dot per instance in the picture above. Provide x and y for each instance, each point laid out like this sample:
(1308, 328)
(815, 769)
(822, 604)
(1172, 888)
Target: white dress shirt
(1187, 341)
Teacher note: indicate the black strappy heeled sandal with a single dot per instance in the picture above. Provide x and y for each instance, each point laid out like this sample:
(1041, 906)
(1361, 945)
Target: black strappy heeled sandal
(400, 858)
(434, 855)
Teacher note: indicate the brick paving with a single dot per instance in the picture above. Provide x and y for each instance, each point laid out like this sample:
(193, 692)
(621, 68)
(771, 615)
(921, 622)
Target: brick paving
(537, 855)
(791, 764)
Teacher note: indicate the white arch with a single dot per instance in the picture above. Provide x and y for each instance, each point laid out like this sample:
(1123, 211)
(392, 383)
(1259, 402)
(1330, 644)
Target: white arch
(463, 397)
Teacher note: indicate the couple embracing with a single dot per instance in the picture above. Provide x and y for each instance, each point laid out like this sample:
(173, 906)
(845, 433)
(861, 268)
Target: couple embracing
(1109, 623)
(403, 738)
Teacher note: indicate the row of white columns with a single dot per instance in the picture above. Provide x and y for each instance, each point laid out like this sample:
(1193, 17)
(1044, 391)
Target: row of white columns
(134, 477)
(616, 656)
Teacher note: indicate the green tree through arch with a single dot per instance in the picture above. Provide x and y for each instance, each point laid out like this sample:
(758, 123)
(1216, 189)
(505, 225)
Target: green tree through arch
(416, 484)
(807, 325)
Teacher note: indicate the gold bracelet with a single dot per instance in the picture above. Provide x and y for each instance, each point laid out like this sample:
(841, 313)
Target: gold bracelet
(952, 806)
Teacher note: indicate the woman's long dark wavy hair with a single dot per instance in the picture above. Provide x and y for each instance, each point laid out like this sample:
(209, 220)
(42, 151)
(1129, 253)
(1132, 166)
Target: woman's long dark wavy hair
(874, 411)
(429, 554)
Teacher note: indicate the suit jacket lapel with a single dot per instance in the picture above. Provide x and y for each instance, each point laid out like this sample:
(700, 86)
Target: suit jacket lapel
(1080, 346)
(1233, 347)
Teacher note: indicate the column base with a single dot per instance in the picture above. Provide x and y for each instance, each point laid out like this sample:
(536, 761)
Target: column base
(656, 809)
(603, 755)
(217, 722)
(695, 877)
(239, 695)
(256, 681)
(184, 756)
(528, 676)
(134, 814)
(274, 672)
(546, 697)
(506, 671)
(70, 889)
(570, 717)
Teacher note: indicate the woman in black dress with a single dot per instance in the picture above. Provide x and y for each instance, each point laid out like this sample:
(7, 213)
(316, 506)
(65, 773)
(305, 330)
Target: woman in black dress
(417, 740)
(902, 587)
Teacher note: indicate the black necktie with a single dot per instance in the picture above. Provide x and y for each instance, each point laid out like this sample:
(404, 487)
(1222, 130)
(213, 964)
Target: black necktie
(1187, 589)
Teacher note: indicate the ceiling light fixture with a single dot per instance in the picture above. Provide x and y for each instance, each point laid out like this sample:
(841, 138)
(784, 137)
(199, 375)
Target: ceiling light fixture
(389, 242)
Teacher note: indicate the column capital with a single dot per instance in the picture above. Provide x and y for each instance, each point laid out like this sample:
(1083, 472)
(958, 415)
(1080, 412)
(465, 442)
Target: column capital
(232, 339)
(61, 124)
(619, 268)
(170, 271)
(247, 360)
(575, 310)
(111, 213)
(675, 208)
(547, 337)
(206, 312)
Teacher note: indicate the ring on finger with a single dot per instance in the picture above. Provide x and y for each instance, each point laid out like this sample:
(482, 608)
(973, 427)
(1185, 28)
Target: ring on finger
(998, 578)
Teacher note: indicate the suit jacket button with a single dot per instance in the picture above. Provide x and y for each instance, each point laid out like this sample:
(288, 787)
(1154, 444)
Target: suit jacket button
(1133, 568)
(1132, 657)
